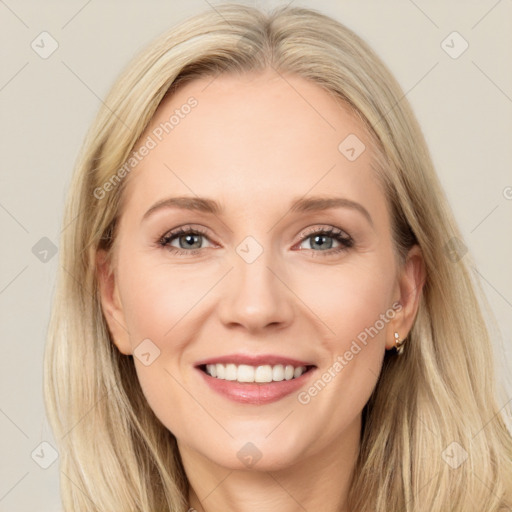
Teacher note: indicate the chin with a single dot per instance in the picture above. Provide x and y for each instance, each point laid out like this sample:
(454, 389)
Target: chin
(255, 452)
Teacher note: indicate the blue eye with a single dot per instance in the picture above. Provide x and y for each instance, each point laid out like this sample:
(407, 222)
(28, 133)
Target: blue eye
(323, 240)
(187, 238)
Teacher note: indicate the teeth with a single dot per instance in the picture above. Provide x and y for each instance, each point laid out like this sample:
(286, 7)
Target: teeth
(263, 374)
(278, 372)
(230, 372)
(247, 373)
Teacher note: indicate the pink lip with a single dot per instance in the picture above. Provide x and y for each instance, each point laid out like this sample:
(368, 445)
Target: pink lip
(256, 394)
(254, 360)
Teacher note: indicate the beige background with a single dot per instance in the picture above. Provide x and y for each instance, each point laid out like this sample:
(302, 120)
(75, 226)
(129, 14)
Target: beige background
(464, 105)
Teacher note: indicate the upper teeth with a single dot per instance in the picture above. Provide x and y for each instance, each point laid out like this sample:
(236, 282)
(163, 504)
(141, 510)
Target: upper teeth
(246, 373)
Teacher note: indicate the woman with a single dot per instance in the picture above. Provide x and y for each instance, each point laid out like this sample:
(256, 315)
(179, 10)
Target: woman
(262, 304)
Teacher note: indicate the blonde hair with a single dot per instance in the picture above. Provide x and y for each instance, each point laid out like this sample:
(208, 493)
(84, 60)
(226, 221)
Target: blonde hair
(115, 453)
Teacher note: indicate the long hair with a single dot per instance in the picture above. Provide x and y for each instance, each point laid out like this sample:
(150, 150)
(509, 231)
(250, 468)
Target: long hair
(434, 404)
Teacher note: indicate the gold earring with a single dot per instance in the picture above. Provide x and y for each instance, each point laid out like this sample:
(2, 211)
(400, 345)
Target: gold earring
(399, 344)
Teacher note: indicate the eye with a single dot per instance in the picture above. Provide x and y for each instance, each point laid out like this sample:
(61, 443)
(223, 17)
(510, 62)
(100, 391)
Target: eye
(323, 240)
(187, 241)
(184, 240)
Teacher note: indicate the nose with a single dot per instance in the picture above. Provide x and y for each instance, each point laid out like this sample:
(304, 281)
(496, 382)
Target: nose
(256, 296)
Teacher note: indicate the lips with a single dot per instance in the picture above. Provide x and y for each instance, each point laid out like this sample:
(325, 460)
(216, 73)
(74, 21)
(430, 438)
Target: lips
(255, 379)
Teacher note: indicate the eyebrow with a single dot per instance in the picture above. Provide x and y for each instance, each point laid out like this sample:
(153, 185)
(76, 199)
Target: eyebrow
(300, 205)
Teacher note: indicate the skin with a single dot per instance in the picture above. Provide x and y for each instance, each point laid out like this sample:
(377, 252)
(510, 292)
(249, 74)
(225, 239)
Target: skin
(254, 143)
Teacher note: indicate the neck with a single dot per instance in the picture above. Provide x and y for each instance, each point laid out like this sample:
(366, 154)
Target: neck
(320, 481)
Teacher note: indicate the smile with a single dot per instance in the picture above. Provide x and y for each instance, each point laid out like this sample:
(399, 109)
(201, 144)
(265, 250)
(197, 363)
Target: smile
(259, 374)
(255, 379)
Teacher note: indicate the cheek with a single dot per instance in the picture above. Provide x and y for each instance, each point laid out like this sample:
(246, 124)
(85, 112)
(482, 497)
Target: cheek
(158, 297)
(163, 304)
(349, 299)
(355, 304)
(156, 301)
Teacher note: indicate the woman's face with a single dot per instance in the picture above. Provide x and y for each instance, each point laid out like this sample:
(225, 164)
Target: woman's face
(284, 263)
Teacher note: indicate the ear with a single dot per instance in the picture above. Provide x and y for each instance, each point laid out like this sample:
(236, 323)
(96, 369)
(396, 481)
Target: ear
(409, 287)
(111, 303)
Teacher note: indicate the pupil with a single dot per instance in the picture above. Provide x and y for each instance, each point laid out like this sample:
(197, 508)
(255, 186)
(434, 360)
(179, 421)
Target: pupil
(322, 244)
(190, 240)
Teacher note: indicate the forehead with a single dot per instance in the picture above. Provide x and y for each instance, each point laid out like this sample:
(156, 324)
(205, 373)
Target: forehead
(235, 137)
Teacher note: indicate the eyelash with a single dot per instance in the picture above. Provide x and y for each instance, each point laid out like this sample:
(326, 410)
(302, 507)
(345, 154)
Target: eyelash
(346, 242)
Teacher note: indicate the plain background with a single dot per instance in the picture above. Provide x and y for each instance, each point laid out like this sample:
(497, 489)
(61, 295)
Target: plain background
(464, 106)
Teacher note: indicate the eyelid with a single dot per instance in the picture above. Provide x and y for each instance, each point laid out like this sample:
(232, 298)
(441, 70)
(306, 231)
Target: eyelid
(185, 228)
(319, 228)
